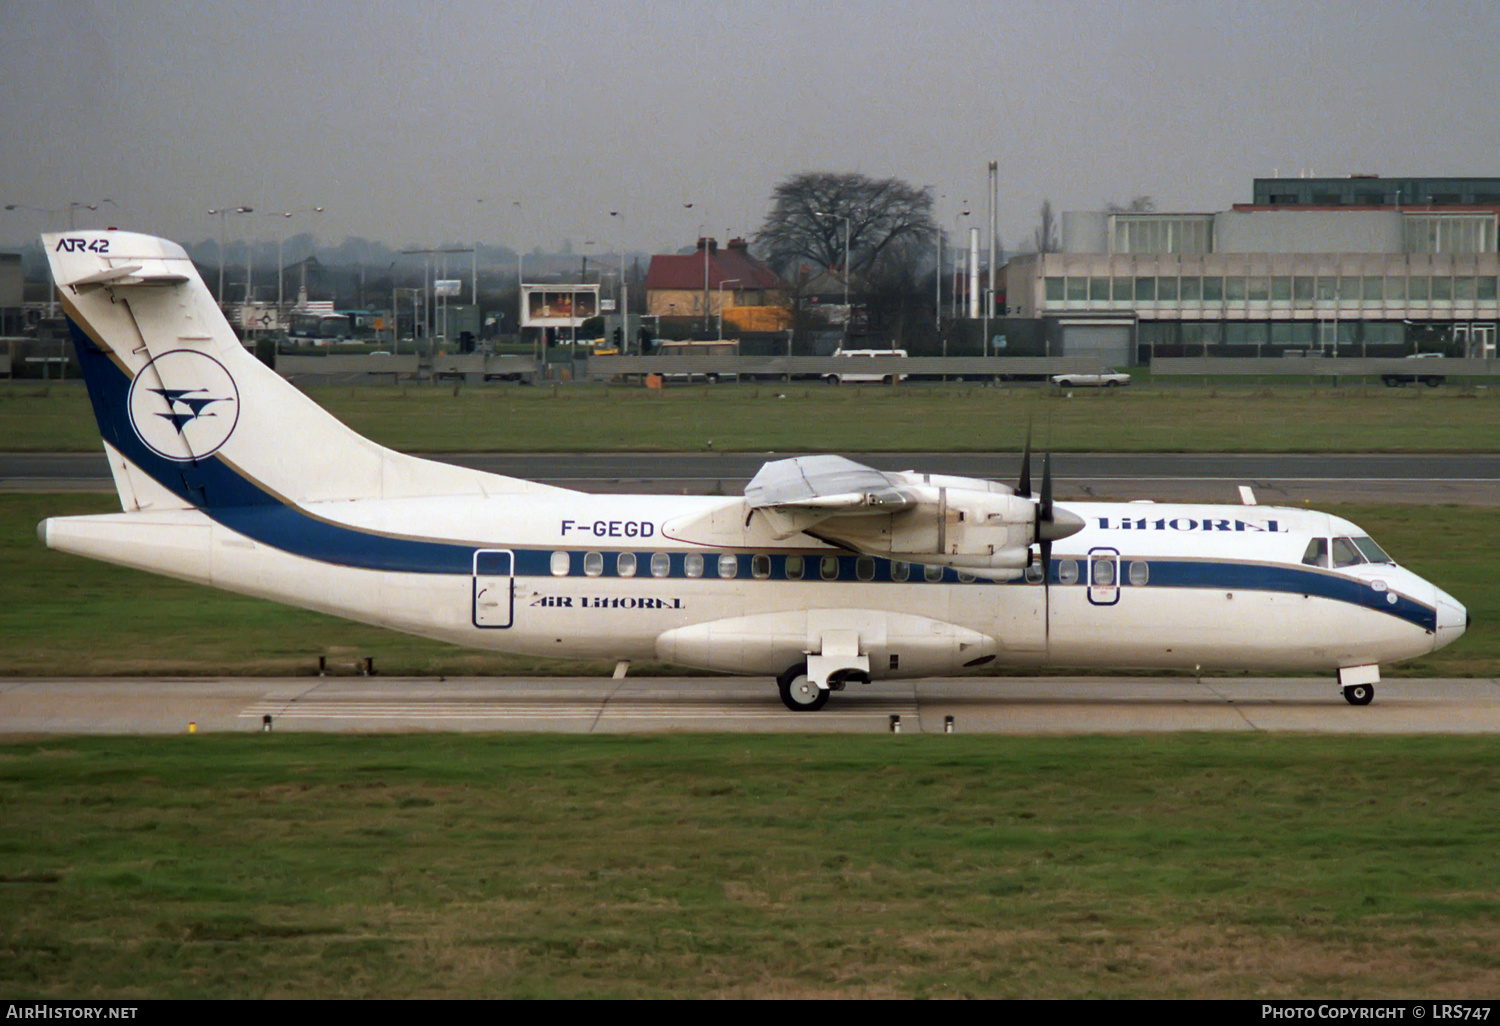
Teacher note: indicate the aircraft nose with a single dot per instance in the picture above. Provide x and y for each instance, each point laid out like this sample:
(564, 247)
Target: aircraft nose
(1452, 619)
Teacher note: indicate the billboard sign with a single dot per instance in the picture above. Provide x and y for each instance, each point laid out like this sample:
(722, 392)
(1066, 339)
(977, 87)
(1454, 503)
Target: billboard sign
(258, 317)
(448, 287)
(558, 306)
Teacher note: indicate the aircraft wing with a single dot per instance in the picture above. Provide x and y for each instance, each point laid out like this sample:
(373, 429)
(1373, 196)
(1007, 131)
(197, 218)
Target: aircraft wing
(797, 493)
(913, 517)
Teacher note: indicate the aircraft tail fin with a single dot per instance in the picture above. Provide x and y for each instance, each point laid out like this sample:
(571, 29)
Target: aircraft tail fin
(189, 417)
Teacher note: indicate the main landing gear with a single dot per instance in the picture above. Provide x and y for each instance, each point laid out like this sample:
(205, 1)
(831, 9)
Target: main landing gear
(1359, 694)
(798, 693)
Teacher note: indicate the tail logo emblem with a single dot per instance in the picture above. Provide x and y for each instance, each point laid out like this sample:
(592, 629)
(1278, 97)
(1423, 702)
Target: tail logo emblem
(184, 405)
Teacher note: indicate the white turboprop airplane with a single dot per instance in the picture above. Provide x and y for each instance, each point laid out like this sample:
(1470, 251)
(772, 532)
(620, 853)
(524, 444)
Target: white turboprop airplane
(824, 573)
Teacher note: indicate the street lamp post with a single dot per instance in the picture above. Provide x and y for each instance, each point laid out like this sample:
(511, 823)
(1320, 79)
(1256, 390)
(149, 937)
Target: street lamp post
(280, 244)
(624, 288)
(957, 218)
(819, 213)
(722, 283)
(72, 208)
(51, 285)
(703, 243)
(222, 214)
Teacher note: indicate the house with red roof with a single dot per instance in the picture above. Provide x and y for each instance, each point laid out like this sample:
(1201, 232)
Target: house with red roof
(710, 280)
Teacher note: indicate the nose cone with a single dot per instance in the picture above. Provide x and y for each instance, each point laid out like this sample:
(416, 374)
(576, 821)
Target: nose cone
(1452, 619)
(1064, 524)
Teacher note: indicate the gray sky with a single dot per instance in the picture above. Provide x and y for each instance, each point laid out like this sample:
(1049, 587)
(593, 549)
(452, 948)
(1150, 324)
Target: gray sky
(417, 124)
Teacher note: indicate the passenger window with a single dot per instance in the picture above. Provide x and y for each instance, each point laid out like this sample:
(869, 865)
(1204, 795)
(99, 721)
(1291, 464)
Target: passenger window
(729, 565)
(1345, 554)
(625, 564)
(1103, 570)
(1317, 552)
(864, 568)
(1034, 573)
(932, 573)
(1067, 571)
(794, 568)
(964, 577)
(560, 562)
(1140, 573)
(661, 564)
(828, 566)
(900, 571)
(692, 564)
(593, 563)
(760, 566)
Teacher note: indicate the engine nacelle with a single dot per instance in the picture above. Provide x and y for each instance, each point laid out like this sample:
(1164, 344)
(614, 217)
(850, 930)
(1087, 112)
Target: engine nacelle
(949, 526)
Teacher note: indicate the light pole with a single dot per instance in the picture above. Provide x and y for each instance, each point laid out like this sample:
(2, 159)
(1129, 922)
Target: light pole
(280, 262)
(73, 207)
(938, 273)
(624, 288)
(957, 218)
(474, 271)
(722, 283)
(416, 295)
(847, 318)
(703, 243)
(222, 214)
(51, 285)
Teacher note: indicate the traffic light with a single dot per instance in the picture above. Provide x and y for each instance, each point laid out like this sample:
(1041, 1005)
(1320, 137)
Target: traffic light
(619, 337)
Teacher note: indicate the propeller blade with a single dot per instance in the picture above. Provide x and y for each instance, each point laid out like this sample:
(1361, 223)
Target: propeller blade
(1023, 485)
(1046, 552)
(1045, 513)
(1044, 537)
(1053, 524)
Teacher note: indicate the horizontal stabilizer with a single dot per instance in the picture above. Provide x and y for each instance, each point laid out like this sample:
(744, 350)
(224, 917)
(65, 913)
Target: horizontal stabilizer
(128, 274)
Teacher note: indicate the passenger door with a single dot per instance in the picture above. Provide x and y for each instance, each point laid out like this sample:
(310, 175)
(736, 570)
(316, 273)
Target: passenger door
(494, 588)
(1104, 576)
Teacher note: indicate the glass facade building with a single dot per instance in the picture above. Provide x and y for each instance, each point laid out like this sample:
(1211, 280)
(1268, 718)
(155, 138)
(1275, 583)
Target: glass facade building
(1256, 281)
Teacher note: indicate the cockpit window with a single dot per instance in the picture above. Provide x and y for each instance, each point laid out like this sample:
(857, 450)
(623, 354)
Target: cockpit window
(1345, 554)
(1317, 552)
(1374, 553)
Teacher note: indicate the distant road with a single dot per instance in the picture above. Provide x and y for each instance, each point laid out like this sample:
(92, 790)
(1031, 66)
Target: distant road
(1468, 479)
(995, 705)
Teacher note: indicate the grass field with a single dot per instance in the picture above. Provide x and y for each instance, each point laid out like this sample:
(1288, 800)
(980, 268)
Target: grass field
(64, 615)
(290, 865)
(810, 417)
(1244, 866)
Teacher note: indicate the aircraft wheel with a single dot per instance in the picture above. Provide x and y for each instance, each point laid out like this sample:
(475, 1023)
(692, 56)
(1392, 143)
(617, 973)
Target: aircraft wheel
(1359, 694)
(800, 694)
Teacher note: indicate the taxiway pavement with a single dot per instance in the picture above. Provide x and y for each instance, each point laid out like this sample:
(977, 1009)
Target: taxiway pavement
(994, 705)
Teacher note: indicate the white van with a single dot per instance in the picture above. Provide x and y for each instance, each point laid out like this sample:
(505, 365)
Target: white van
(880, 376)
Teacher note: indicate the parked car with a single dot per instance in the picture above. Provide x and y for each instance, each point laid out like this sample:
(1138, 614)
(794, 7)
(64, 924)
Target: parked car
(1400, 380)
(1103, 379)
(855, 378)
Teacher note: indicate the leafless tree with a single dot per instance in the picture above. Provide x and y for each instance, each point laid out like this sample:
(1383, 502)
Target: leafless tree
(1136, 205)
(888, 220)
(1046, 234)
